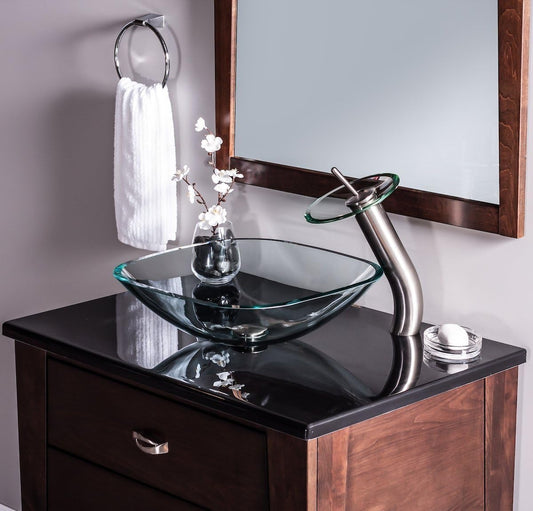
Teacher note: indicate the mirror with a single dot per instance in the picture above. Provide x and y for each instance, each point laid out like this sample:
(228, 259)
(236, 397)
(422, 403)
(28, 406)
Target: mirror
(439, 98)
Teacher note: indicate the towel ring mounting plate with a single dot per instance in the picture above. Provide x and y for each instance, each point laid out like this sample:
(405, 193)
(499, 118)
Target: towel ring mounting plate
(150, 21)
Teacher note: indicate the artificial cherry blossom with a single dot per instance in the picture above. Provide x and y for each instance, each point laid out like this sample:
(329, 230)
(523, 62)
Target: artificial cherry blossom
(191, 194)
(181, 173)
(200, 124)
(212, 216)
(211, 143)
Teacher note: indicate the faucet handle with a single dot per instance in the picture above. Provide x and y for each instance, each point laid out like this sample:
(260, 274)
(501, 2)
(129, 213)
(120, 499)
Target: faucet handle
(367, 191)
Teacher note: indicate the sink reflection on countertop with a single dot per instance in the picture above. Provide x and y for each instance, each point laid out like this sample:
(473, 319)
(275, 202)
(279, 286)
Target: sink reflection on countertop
(349, 370)
(291, 377)
(287, 378)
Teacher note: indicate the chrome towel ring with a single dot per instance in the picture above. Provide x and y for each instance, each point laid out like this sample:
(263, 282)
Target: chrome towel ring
(150, 21)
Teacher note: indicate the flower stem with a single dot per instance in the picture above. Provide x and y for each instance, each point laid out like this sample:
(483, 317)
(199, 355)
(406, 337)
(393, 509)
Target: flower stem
(198, 194)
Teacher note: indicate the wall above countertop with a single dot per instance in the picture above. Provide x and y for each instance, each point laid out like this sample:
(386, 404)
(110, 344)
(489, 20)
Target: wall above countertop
(57, 222)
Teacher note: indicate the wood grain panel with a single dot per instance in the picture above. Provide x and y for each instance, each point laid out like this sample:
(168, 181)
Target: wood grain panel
(500, 430)
(77, 485)
(211, 462)
(225, 62)
(404, 201)
(332, 486)
(513, 51)
(292, 469)
(428, 455)
(31, 402)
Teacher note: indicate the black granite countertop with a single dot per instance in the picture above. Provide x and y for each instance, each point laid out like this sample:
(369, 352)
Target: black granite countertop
(348, 370)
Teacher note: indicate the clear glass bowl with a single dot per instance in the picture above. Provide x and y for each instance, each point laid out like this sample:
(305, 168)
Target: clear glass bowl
(282, 291)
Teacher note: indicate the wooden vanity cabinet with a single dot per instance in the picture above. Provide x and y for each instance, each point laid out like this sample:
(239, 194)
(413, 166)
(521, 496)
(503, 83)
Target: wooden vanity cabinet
(77, 485)
(452, 451)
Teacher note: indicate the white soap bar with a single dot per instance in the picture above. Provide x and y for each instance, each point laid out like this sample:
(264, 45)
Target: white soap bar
(454, 335)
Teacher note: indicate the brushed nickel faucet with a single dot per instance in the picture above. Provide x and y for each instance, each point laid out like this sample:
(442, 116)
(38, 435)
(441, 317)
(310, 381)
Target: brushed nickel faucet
(365, 203)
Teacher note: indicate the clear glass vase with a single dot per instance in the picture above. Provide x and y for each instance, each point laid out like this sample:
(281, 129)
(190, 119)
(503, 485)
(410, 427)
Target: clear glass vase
(216, 259)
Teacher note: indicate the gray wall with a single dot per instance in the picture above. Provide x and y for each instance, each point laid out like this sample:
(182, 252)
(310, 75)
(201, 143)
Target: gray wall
(56, 196)
(56, 222)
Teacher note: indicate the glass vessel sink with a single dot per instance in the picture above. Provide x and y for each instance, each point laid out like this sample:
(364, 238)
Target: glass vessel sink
(283, 290)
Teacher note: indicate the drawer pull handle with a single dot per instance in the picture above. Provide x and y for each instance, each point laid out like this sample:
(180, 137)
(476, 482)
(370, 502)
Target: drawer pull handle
(149, 446)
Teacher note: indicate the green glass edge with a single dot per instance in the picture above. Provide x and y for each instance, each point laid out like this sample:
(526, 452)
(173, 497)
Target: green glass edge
(395, 182)
(378, 272)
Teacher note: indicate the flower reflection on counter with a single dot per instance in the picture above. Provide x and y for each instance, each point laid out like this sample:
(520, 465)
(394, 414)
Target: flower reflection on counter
(285, 376)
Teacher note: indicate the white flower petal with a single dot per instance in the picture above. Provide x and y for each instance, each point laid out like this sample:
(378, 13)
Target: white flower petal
(200, 124)
(215, 215)
(191, 194)
(203, 223)
(211, 143)
(181, 173)
(222, 188)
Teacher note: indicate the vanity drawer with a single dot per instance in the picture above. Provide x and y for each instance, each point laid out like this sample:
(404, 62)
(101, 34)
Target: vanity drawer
(211, 462)
(74, 484)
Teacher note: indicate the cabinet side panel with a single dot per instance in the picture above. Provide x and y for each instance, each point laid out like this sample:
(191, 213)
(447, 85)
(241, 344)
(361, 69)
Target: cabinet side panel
(292, 465)
(428, 455)
(333, 470)
(31, 402)
(500, 430)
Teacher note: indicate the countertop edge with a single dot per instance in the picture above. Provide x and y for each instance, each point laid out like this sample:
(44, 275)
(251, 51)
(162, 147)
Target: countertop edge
(201, 400)
(185, 394)
(397, 401)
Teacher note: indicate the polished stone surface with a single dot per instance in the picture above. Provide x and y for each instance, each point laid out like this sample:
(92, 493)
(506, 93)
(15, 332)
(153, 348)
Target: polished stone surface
(346, 371)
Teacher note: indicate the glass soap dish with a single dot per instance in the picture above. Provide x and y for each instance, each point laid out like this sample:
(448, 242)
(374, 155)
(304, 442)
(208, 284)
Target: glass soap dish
(437, 348)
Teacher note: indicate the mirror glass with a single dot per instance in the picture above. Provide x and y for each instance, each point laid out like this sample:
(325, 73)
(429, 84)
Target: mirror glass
(384, 86)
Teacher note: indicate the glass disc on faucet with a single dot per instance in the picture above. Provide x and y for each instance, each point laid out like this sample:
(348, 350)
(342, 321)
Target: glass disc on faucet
(331, 206)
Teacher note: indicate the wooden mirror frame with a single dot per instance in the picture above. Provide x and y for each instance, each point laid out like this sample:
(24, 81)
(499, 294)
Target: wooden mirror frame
(506, 218)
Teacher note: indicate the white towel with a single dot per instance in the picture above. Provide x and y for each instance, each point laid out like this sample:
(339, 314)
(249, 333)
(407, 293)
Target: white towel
(145, 160)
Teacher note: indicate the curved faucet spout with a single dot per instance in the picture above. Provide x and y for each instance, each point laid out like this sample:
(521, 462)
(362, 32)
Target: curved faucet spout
(398, 268)
(388, 249)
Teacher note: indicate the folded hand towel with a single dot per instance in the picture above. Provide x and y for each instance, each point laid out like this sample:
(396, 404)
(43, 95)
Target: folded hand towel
(145, 160)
